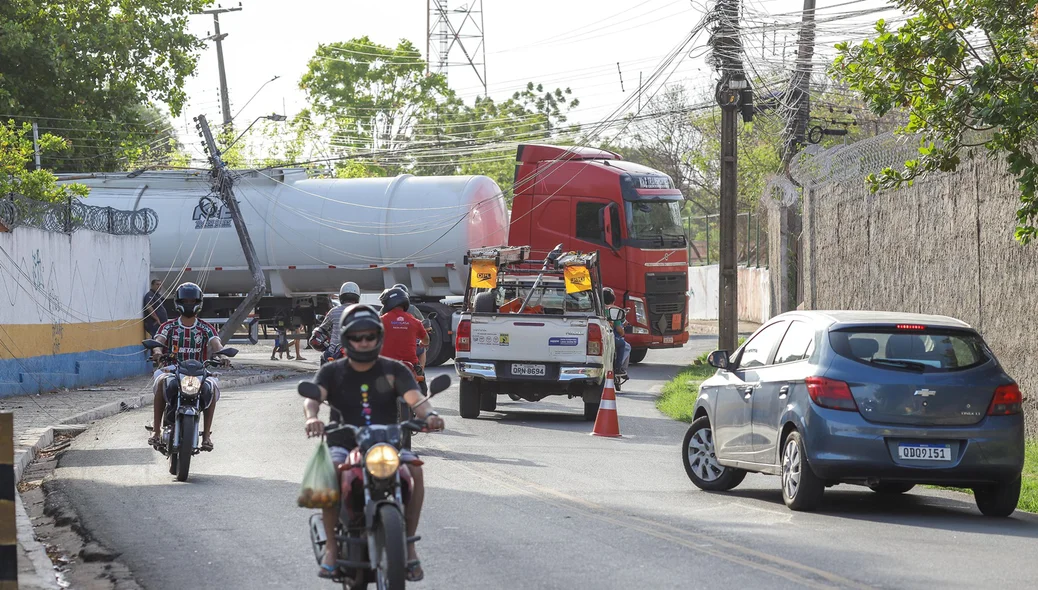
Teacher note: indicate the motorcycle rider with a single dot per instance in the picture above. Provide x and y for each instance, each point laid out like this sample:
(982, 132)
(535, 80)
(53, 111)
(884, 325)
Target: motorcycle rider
(189, 338)
(404, 332)
(349, 294)
(623, 349)
(362, 389)
(418, 315)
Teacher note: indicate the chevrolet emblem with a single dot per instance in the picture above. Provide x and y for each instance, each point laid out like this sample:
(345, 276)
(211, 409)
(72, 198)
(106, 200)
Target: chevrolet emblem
(925, 392)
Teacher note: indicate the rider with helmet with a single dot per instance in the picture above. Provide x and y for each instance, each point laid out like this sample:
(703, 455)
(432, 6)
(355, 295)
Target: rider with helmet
(363, 389)
(420, 350)
(403, 330)
(325, 338)
(189, 338)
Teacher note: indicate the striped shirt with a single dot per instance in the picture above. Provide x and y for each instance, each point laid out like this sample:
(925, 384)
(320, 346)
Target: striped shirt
(187, 342)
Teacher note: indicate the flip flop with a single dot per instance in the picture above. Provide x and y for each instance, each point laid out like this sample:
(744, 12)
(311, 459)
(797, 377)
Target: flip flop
(415, 573)
(154, 441)
(327, 572)
(206, 446)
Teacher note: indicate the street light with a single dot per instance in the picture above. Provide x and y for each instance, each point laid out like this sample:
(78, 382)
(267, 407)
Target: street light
(270, 117)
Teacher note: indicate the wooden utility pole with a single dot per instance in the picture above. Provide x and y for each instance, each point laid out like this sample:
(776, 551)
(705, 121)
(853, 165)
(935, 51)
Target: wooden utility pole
(223, 183)
(800, 88)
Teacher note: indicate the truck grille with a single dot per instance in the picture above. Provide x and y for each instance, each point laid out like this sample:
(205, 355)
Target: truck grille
(666, 282)
(664, 311)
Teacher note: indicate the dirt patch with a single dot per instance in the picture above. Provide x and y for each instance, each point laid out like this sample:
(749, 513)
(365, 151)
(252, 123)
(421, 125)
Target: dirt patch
(79, 560)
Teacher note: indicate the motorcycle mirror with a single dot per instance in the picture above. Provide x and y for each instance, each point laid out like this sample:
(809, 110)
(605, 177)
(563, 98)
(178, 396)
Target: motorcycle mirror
(310, 390)
(229, 352)
(439, 384)
(149, 343)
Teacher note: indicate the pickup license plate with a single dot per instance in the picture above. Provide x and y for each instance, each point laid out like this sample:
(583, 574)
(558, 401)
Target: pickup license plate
(668, 340)
(529, 370)
(913, 452)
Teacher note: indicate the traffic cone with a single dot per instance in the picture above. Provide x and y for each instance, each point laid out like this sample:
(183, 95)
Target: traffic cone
(607, 422)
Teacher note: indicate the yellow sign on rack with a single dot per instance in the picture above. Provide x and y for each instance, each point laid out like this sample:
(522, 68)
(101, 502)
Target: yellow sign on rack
(578, 279)
(484, 274)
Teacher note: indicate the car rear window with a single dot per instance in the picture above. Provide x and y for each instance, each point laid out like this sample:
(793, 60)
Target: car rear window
(931, 349)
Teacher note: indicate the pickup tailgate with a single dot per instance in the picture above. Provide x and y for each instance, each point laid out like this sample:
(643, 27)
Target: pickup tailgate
(529, 338)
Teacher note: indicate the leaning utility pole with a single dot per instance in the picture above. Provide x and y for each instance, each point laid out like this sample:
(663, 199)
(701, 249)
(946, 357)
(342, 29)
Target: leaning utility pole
(225, 101)
(223, 183)
(733, 94)
(800, 88)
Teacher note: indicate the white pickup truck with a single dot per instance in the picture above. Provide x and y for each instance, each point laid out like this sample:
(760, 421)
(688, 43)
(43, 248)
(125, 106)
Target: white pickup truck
(533, 333)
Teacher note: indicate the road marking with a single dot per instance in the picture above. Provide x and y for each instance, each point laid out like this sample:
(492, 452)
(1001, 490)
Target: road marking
(806, 575)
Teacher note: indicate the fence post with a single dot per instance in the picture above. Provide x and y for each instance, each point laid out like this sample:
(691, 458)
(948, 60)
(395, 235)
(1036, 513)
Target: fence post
(8, 526)
(758, 241)
(708, 240)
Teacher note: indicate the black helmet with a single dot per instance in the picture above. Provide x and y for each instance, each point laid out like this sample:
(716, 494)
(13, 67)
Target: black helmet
(358, 318)
(402, 287)
(188, 291)
(393, 298)
(608, 297)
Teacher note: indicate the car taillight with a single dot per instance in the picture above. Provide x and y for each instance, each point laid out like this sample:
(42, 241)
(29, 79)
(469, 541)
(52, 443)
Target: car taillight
(1007, 401)
(463, 338)
(594, 340)
(830, 393)
(910, 327)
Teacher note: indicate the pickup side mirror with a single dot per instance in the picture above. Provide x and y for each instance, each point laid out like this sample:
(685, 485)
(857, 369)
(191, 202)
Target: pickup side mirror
(616, 314)
(718, 359)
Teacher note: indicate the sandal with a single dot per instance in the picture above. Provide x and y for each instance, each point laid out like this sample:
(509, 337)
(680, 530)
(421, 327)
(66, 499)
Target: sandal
(154, 441)
(207, 445)
(327, 572)
(415, 573)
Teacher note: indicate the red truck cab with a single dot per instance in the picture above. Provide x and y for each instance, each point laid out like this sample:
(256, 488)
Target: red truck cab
(591, 199)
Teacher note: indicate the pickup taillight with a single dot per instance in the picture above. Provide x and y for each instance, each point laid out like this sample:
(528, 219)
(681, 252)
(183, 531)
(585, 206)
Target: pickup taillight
(463, 337)
(594, 340)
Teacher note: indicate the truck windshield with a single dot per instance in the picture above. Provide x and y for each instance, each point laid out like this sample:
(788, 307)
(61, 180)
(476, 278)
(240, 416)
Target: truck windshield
(658, 221)
(551, 297)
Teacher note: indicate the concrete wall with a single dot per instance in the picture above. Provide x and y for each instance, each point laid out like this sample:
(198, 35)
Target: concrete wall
(943, 246)
(70, 308)
(754, 293)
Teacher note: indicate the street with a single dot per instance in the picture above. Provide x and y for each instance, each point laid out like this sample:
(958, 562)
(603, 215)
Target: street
(525, 498)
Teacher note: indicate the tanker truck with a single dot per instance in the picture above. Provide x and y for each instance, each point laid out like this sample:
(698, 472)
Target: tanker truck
(311, 235)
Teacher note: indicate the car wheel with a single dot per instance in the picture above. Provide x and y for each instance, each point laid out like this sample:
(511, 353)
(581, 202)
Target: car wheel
(998, 500)
(801, 488)
(468, 399)
(891, 488)
(700, 460)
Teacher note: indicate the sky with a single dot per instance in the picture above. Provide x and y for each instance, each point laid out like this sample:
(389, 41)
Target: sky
(583, 44)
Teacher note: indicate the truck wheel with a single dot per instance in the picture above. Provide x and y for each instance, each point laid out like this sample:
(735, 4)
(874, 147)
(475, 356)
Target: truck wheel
(487, 399)
(485, 303)
(468, 399)
(441, 325)
(638, 355)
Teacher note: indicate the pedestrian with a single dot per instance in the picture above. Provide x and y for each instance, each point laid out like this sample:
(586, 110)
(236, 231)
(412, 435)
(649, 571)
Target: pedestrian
(298, 328)
(154, 312)
(280, 343)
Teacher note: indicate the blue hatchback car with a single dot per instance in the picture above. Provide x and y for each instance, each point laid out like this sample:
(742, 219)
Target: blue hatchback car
(887, 400)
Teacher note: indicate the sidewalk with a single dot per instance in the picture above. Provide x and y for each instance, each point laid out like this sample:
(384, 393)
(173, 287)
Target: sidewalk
(38, 418)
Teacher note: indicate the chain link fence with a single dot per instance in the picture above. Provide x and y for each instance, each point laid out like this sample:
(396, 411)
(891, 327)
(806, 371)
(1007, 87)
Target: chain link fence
(751, 231)
(18, 211)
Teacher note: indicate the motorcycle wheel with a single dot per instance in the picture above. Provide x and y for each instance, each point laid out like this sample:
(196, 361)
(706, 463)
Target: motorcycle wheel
(391, 544)
(406, 413)
(172, 463)
(188, 424)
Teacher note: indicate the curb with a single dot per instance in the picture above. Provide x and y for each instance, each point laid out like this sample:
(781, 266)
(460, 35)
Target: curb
(26, 537)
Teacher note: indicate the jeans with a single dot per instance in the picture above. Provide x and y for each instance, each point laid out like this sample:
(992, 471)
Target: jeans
(623, 354)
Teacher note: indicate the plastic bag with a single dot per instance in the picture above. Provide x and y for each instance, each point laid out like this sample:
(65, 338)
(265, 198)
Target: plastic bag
(320, 481)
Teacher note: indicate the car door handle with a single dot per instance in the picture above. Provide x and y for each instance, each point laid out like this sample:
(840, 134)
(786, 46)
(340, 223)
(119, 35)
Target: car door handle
(784, 390)
(748, 390)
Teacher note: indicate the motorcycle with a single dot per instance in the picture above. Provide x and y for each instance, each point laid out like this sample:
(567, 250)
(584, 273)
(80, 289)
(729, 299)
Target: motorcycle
(375, 488)
(179, 439)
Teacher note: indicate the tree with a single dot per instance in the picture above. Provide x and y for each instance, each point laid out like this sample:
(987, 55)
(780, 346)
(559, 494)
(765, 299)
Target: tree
(17, 154)
(966, 71)
(85, 67)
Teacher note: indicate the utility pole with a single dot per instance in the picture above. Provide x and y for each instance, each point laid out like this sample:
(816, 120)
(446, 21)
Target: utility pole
(733, 94)
(223, 184)
(800, 88)
(36, 142)
(225, 101)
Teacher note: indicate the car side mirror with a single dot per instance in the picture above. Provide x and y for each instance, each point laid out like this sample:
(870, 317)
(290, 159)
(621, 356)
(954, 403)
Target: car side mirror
(616, 314)
(718, 359)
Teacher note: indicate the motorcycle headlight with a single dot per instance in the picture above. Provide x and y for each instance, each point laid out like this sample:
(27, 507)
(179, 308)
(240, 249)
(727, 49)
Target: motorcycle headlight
(189, 384)
(382, 461)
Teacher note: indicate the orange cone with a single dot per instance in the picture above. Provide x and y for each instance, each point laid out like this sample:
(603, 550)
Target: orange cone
(607, 422)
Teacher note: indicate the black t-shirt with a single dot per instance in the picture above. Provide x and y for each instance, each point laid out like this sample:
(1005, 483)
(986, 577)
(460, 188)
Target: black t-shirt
(363, 398)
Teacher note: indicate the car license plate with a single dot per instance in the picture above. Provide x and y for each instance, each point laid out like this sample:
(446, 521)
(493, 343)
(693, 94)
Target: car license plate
(668, 340)
(528, 370)
(912, 452)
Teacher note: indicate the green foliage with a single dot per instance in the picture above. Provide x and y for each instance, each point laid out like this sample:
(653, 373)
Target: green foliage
(18, 173)
(86, 67)
(966, 71)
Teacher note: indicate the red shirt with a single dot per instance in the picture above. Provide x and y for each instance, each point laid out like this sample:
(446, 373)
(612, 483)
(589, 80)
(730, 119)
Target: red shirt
(402, 330)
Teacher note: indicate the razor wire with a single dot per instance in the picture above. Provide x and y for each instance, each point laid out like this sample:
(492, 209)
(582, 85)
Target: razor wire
(67, 217)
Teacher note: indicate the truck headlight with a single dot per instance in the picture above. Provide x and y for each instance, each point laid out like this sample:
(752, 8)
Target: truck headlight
(189, 384)
(382, 461)
(640, 316)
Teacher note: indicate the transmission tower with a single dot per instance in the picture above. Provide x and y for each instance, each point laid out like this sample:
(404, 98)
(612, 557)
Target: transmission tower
(457, 29)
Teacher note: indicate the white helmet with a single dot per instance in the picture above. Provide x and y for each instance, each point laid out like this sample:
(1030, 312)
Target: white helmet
(349, 289)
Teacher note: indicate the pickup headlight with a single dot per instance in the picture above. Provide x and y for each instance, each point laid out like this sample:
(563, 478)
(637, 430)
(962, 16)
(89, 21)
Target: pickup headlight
(382, 461)
(190, 385)
(640, 316)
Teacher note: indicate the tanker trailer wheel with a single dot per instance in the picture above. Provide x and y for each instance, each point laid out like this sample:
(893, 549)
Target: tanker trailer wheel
(443, 349)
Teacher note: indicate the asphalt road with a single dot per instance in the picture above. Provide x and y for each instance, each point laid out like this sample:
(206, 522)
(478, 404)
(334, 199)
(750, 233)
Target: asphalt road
(525, 498)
